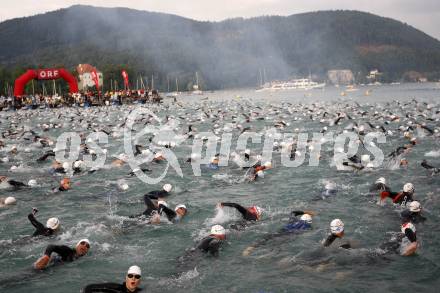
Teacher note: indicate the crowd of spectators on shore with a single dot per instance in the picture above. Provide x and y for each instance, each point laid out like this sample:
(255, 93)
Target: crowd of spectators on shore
(87, 99)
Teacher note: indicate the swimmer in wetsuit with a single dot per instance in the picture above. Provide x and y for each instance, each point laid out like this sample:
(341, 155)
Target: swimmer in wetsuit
(405, 243)
(9, 183)
(131, 284)
(64, 185)
(337, 232)
(64, 253)
(250, 214)
(294, 226)
(172, 216)
(165, 192)
(380, 185)
(51, 227)
(210, 245)
(413, 213)
(402, 198)
(10, 200)
(152, 210)
(430, 168)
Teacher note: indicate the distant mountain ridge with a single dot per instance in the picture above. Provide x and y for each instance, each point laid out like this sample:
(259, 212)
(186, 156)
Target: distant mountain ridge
(230, 53)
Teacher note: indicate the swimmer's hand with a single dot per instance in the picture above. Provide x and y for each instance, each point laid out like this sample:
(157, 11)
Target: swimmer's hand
(310, 213)
(248, 251)
(410, 249)
(220, 205)
(42, 262)
(34, 211)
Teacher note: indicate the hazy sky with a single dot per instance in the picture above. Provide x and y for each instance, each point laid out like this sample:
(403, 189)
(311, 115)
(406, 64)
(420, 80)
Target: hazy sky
(422, 14)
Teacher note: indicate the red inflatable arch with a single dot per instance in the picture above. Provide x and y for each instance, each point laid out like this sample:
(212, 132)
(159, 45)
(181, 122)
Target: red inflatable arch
(44, 74)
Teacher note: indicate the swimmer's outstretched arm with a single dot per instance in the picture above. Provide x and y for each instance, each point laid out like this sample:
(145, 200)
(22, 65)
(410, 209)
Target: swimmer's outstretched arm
(425, 165)
(46, 155)
(35, 222)
(16, 183)
(329, 240)
(242, 210)
(148, 202)
(61, 250)
(168, 212)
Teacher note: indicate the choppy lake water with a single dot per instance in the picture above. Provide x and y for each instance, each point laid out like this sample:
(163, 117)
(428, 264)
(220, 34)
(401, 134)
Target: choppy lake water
(95, 208)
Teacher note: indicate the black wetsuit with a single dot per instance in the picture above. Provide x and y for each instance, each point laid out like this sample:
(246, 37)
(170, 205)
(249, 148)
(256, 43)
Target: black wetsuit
(331, 238)
(247, 215)
(150, 210)
(46, 155)
(108, 288)
(171, 215)
(210, 245)
(60, 188)
(429, 167)
(64, 252)
(294, 226)
(401, 198)
(395, 243)
(155, 194)
(16, 184)
(40, 228)
(413, 217)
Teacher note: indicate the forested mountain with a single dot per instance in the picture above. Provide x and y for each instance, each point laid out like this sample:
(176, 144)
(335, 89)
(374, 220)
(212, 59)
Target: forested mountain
(230, 53)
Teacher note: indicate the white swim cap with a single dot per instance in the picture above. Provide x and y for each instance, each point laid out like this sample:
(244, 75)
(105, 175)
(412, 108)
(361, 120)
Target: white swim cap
(260, 174)
(135, 270)
(10, 200)
(365, 158)
(53, 223)
(306, 218)
(180, 206)
(336, 226)
(268, 165)
(66, 165)
(330, 186)
(13, 168)
(247, 151)
(167, 187)
(381, 180)
(415, 206)
(78, 164)
(32, 182)
(408, 188)
(162, 202)
(85, 240)
(218, 230)
(123, 186)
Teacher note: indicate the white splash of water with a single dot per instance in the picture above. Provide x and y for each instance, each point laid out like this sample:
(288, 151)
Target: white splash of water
(433, 153)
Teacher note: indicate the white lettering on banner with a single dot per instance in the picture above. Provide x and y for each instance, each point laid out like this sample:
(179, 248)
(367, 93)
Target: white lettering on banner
(48, 74)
